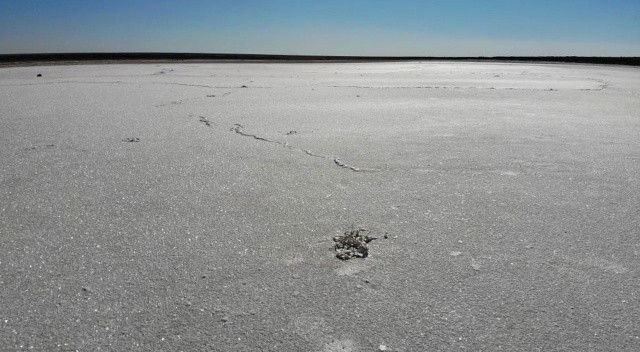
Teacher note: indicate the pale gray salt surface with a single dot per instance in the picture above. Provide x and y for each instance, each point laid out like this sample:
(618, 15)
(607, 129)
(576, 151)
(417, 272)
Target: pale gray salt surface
(509, 194)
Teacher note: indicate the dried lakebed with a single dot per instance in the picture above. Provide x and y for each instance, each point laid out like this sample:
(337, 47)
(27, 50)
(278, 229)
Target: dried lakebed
(203, 207)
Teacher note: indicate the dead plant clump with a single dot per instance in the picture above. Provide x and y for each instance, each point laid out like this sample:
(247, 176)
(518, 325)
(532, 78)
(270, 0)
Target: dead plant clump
(352, 244)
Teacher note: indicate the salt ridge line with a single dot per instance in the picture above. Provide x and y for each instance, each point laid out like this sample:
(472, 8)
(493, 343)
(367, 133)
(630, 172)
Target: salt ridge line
(239, 129)
(600, 88)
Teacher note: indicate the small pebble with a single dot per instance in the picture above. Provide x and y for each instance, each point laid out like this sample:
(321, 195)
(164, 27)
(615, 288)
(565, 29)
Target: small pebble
(382, 348)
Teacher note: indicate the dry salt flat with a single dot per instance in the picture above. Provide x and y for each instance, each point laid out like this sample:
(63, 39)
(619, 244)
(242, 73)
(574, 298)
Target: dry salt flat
(193, 207)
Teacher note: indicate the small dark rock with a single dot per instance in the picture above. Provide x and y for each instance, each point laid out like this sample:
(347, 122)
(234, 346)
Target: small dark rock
(205, 121)
(39, 75)
(131, 139)
(243, 86)
(291, 132)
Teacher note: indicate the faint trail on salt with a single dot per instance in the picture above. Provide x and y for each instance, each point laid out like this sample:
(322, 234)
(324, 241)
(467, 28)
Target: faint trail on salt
(63, 82)
(206, 86)
(239, 129)
(601, 87)
(176, 102)
(402, 87)
(185, 85)
(133, 83)
(597, 263)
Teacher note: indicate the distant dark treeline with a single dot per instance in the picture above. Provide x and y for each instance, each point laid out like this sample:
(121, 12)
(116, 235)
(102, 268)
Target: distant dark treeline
(26, 58)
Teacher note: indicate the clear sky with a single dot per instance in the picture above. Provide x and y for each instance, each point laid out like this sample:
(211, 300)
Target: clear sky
(324, 27)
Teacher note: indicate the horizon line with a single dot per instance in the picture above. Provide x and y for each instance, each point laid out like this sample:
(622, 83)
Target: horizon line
(143, 55)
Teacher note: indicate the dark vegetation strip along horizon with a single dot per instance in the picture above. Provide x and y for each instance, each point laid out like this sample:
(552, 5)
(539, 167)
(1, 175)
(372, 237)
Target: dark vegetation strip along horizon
(84, 57)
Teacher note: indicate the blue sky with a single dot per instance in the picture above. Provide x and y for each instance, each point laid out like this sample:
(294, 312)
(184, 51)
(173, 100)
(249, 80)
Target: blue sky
(324, 27)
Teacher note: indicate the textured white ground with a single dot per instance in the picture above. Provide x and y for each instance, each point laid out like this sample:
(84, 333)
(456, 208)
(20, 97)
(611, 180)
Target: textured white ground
(509, 195)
